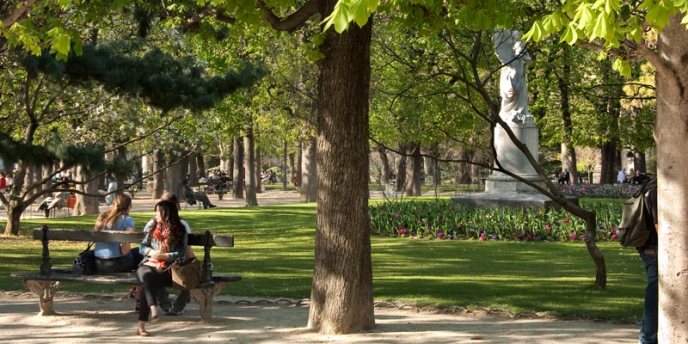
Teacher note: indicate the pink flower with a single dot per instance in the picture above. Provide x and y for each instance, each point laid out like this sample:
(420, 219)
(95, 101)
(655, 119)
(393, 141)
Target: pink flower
(402, 231)
(440, 235)
(483, 236)
(548, 228)
(572, 236)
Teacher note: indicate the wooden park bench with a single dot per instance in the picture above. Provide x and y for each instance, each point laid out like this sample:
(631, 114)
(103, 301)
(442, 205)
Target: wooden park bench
(46, 281)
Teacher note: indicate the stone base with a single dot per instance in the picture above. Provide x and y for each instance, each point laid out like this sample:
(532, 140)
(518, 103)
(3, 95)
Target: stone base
(508, 199)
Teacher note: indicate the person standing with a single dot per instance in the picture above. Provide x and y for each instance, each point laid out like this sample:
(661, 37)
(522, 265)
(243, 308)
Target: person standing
(111, 188)
(161, 246)
(3, 182)
(621, 176)
(648, 254)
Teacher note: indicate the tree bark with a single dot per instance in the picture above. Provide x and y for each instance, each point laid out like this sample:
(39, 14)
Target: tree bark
(258, 169)
(385, 170)
(193, 169)
(238, 169)
(86, 204)
(672, 188)
(608, 163)
(250, 169)
(309, 172)
(414, 179)
(342, 290)
(173, 177)
(401, 169)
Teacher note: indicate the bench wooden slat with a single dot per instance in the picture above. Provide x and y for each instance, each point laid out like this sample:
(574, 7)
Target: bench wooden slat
(117, 278)
(195, 239)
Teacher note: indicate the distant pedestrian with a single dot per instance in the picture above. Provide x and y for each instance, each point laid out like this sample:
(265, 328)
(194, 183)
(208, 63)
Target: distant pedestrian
(621, 176)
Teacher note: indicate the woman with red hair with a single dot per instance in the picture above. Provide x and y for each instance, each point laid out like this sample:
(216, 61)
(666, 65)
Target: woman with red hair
(165, 243)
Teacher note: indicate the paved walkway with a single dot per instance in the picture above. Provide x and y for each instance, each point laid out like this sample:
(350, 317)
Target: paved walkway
(110, 319)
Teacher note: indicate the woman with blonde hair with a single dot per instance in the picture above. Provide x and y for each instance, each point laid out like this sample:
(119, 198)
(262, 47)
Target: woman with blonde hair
(162, 245)
(114, 256)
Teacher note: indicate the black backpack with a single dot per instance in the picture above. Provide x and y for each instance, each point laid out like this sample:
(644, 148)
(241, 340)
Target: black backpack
(85, 262)
(634, 229)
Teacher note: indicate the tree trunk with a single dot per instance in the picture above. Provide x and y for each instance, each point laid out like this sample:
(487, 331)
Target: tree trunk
(609, 157)
(568, 162)
(159, 178)
(238, 169)
(342, 291)
(173, 177)
(200, 163)
(672, 189)
(193, 169)
(309, 172)
(414, 179)
(385, 170)
(250, 169)
(86, 205)
(401, 169)
(568, 150)
(464, 170)
(285, 178)
(258, 169)
(16, 206)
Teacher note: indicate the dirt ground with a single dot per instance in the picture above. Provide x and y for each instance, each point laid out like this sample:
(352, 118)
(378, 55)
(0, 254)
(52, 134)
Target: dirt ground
(103, 318)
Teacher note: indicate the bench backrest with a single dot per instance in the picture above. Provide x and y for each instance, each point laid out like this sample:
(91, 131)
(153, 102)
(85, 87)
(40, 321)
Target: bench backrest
(207, 240)
(114, 236)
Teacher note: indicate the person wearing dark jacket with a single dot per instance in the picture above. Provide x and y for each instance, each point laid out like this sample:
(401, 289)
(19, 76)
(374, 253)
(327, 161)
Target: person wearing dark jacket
(648, 254)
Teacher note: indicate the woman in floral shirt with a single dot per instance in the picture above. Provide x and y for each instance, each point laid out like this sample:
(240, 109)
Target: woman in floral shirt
(160, 247)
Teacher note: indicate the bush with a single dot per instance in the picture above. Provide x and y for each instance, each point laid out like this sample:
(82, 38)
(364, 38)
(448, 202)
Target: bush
(439, 219)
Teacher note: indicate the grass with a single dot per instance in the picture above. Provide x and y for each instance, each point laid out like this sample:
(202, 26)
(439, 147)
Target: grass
(274, 254)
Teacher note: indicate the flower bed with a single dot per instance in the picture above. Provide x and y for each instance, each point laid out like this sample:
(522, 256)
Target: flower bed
(600, 190)
(440, 219)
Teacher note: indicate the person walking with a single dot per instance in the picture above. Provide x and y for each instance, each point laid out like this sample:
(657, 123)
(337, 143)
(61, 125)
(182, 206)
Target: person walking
(648, 254)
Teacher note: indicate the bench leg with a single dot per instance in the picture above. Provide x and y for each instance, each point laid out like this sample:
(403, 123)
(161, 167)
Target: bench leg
(46, 292)
(204, 297)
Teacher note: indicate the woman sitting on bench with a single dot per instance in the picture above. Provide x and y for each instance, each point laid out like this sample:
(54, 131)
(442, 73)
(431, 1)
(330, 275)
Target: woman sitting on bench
(160, 247)
(113, 256)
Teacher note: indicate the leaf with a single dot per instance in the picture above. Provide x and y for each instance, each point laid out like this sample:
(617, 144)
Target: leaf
(583, 16)
(622, 66)
(570, 35)
(535, 32)
(600, 29)
(358, 12)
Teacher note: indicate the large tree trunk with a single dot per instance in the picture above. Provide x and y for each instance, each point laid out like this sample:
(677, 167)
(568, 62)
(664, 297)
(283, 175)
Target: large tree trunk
(250, 169)
(238, 169)
(173, 177)
(672, 193)
(309, 172)
(15, 207)
(464, 171)
(342, 291)
(193, 169)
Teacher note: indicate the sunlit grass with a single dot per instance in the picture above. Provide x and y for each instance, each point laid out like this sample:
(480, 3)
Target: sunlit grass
(274, 248)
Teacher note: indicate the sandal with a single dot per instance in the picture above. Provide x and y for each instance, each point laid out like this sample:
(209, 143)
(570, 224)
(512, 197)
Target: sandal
(142, 333)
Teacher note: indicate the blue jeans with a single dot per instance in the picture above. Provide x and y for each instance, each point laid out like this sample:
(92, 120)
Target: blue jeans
(648, 329)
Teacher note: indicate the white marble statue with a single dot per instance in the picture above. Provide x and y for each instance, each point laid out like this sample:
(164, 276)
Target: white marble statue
(512, 83)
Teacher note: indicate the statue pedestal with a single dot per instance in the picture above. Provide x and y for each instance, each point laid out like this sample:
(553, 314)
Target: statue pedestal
(502, 190)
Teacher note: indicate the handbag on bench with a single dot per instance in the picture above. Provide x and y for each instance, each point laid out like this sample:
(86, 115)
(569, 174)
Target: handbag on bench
(187, 274)
(85, 262)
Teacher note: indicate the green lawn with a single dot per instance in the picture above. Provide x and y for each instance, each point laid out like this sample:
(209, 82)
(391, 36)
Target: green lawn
(274, 254)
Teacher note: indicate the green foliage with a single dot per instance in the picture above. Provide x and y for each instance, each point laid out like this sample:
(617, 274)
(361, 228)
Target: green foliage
(162, 80)
(89, 155)
(441, 219)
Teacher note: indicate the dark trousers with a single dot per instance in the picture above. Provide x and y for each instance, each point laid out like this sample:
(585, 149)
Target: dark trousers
(153, 282)
(648, 329)
(125, 263)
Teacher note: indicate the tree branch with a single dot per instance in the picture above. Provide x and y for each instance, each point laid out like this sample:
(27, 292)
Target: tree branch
(17, 14)
(292, 22)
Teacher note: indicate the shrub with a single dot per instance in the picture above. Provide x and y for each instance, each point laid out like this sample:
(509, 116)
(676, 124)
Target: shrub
(439, 219)
(600, 190)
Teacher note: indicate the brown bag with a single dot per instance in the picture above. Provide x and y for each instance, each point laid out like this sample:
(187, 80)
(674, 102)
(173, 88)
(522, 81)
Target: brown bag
(188, 274)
